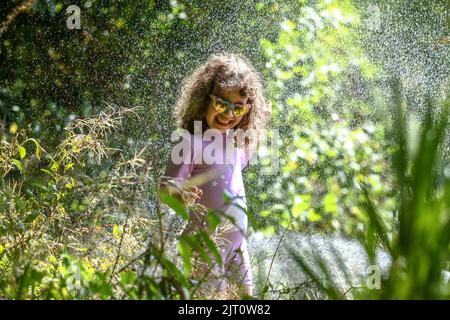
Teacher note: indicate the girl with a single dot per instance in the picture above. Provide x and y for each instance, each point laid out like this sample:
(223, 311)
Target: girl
(224, 93)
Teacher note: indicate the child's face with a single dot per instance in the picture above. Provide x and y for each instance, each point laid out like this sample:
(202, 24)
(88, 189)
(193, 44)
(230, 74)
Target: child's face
(226, 120)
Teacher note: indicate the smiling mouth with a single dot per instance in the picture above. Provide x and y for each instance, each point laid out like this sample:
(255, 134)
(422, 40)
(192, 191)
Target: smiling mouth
(223, 122)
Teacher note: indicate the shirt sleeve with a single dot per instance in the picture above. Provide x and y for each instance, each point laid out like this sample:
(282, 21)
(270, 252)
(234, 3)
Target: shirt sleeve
(180, 164)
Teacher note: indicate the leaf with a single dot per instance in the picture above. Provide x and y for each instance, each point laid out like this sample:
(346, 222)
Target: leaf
(38, 147)
(169, 268)
(330, 203)
(74, 205)
(211, 246)
(301, 204)
(227, 196)
(17, 164)
(195, 242)
(213, 220)
(313, 216)
(20, 204)
(377, 226)
(127, 278)
(68, 166)
(47, 172)
(174, 204)
(100, 286)
(70, 184)
(31, 217)
(313, 275)
(22, 152)
(54, 165)
(115, 231)
(185, 252)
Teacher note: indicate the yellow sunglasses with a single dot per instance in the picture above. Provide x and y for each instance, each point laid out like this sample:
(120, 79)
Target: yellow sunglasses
(222, 105)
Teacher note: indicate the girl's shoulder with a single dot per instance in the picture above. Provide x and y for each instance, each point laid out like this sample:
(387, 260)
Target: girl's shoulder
(243, 156)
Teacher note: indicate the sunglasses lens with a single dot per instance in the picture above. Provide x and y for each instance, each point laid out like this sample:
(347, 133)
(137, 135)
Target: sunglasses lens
(240, 110)
(220, 107)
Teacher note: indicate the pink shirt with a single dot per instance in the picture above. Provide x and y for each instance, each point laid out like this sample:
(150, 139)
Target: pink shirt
(222, 177)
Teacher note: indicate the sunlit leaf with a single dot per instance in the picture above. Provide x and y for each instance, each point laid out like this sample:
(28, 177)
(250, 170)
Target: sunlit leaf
(174, 204)
(18, 165)
(22, 152)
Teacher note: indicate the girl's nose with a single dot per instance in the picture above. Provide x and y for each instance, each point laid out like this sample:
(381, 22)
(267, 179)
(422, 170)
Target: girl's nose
(229, 113)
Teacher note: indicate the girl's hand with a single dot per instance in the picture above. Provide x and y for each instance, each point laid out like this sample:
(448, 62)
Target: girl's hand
(196, 193)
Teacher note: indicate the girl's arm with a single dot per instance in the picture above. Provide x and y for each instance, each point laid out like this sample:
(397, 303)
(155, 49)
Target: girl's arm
(178, 172)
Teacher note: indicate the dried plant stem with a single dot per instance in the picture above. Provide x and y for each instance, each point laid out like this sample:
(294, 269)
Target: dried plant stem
(274, 255)
(13, 15)
(119, 249)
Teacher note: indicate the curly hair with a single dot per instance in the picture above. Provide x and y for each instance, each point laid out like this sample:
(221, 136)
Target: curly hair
(221, 73)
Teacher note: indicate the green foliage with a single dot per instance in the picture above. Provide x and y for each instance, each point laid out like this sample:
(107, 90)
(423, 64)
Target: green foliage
(60, 244)
(79, 210)
(328, 167)
(325, 110)
(419, 244)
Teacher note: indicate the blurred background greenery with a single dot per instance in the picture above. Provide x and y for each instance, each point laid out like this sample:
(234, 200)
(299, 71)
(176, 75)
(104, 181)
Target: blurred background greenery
(85, 123)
